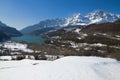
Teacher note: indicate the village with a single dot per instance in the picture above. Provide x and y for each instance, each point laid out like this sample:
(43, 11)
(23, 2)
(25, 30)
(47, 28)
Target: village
(12, 50)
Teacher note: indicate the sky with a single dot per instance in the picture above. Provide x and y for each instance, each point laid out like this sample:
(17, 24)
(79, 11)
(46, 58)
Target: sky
(22, 13)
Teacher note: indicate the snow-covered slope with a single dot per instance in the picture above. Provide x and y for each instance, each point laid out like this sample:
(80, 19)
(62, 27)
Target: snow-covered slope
(68, 68)
(98, 16)
(77, 19)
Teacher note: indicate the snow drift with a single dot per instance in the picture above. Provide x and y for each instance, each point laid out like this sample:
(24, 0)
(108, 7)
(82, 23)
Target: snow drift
(67, 68)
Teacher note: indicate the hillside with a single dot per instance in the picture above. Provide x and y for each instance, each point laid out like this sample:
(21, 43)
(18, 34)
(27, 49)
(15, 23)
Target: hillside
(9, 31)
(95, 39)
(3, 36)
(108, 28)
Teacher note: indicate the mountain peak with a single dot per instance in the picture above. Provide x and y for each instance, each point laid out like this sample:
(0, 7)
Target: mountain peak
(77, 19)
(100, 16)
(96, 14)
(78, 15)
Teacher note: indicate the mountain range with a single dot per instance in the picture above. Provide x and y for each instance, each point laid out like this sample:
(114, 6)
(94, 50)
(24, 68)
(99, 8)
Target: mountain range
(77, 20)
(95, 17)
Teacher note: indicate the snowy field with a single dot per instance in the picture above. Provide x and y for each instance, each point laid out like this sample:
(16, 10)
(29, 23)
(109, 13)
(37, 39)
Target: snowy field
(15, 46)
(67, 68)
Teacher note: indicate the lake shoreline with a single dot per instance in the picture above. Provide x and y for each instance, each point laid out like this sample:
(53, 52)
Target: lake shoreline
(29, 39)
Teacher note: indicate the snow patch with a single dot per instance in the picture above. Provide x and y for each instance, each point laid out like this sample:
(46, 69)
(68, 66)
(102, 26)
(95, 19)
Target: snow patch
(77, 30)
(15, 46)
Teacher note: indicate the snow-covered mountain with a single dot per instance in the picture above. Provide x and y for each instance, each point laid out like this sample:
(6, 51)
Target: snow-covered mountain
(45, 24)
(93, 17)
(77, 19)
(102, 17)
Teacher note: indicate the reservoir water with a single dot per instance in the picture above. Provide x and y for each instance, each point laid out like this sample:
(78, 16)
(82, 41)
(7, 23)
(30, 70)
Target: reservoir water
(29, 39)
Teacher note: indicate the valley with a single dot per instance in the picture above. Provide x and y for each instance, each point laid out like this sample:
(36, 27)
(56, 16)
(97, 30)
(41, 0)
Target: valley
(93, 40)
(62, 49)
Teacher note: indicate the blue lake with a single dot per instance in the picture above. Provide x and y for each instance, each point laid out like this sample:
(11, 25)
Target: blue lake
(29, 39)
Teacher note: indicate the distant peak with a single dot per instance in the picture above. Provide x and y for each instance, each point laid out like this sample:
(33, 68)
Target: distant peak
(77, 15)
(98, 12)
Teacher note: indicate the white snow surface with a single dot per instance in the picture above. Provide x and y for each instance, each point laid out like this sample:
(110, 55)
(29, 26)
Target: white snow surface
(5, 58)
(77, 30)
(67, 68)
